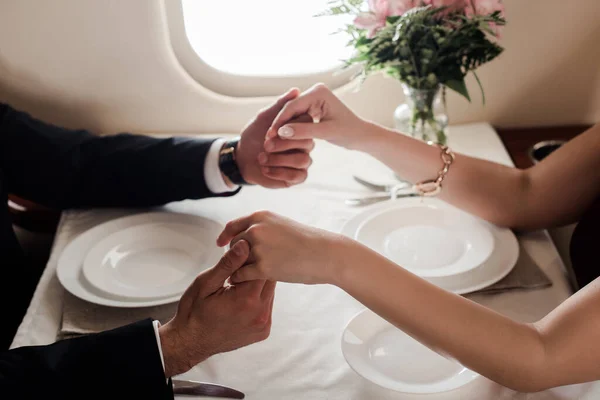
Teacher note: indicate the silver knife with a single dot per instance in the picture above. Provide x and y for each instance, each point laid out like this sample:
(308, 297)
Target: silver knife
(192, 388)
(381, 188)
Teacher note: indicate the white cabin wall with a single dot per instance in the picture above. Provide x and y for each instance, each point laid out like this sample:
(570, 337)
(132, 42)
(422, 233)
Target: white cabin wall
(108, 65)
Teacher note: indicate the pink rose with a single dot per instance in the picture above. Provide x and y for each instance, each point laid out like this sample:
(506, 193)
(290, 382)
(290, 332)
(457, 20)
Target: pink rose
(485, 7)
(376, 18)
(446, 3)
(399, 7)
(452, 5)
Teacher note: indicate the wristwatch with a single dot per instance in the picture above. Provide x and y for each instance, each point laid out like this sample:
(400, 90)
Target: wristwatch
(228, 164)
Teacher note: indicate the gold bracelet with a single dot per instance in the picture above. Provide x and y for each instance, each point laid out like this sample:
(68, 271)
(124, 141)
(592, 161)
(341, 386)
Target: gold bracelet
(433, 187)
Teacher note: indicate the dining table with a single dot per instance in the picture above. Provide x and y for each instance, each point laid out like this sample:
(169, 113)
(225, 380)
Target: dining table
(302, 358)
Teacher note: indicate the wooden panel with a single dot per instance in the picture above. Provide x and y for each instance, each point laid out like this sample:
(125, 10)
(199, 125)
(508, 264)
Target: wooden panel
(518, 141)
(31, 216)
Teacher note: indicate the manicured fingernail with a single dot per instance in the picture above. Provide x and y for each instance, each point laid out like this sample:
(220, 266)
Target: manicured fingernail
(286, 131)
(262, 158)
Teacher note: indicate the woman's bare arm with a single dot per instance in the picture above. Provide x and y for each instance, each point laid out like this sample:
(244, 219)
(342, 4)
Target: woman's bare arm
(563, 348)
(554, 192)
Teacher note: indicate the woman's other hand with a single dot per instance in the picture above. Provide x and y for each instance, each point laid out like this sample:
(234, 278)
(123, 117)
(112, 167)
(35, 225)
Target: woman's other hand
(330, 120)
(284, 250)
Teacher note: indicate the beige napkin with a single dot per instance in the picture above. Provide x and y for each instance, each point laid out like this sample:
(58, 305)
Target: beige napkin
(82, 318)
(525, 275)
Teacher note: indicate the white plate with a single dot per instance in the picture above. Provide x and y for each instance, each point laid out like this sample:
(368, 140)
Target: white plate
(150, 261)
(69, 269)
(427, 239)
(496, 266)
(386, 356)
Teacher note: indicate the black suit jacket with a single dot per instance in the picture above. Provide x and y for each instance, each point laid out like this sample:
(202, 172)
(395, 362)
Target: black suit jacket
(63, 169)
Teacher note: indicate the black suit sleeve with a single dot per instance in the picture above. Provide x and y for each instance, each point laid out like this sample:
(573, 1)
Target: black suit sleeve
(64, 168)
(120, 364)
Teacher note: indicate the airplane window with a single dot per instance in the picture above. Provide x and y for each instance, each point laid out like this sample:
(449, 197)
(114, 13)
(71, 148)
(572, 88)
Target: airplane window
(265, 38)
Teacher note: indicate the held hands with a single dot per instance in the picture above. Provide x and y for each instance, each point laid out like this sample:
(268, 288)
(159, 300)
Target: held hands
(284, 250)
(331, 121)
(286, 166)
(215, 318)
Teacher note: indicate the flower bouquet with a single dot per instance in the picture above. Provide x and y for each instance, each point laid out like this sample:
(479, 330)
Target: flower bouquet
(428, 45)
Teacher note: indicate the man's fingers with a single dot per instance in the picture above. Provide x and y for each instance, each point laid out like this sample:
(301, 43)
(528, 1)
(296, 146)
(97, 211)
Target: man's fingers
(215, 278)
(252, 288)
(246, 274)
(290, 176)
(292, 159)
(278, 145)
(271, 111)
(268, 291)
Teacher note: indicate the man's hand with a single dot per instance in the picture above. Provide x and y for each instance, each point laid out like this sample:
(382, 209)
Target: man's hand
(284, 168)
(215, 318)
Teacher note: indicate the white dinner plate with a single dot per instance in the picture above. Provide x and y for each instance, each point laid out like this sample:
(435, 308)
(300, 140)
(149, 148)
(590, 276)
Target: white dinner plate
(427, 239)
(386, 356)
(150, 261)
(369, 229)
(70, 263)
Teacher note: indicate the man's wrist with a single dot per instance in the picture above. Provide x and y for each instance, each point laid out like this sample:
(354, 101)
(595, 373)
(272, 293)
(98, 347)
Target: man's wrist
(213, 176)
(228, 182)
(171, 349)
(229, 163)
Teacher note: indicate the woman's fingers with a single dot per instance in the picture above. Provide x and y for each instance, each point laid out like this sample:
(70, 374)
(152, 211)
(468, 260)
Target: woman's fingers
(277, 145)
(294, 159)
(303, 131)
(234, 228)
(313, 103)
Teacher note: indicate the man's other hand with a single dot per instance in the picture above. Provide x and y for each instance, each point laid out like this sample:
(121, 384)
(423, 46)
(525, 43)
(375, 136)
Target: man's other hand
(214, 317)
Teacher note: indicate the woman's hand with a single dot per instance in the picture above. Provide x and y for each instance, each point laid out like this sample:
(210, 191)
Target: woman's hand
(332, 121)
(284, 250)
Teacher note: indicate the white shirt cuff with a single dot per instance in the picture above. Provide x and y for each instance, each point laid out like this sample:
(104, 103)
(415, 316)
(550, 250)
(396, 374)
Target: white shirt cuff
(156, 325)
(212, 173)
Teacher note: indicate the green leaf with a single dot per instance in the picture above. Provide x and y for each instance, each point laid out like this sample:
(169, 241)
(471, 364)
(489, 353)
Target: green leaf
(480, 87)
(459, 87)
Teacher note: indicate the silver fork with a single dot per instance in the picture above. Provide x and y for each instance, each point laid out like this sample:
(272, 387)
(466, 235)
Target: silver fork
(376, 198)
(382, 188)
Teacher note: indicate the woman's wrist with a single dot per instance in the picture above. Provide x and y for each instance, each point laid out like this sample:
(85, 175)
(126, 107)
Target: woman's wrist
(371, 137)
(347, 259)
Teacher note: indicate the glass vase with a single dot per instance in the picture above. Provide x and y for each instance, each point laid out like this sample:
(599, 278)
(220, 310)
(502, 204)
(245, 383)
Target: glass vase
(423, 114)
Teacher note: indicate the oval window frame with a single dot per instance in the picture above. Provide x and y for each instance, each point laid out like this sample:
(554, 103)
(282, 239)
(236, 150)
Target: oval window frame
(239, 86)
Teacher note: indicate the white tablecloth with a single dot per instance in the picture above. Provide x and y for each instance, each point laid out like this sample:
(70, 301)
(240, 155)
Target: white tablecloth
(302, 359)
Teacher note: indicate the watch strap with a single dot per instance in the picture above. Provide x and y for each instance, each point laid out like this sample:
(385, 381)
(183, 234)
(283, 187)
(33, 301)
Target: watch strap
(228, 163)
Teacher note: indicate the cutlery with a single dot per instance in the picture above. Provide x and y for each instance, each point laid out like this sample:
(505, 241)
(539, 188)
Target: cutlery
(192, 388)
(363, 201)
(381, 188)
